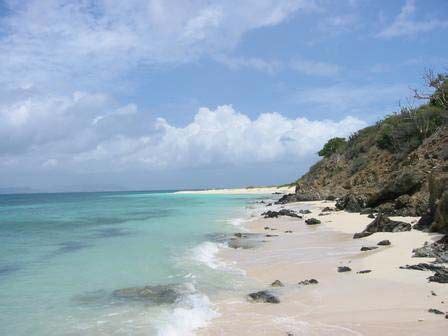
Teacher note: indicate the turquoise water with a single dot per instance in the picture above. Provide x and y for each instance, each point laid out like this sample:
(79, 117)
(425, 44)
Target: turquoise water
(62, 255)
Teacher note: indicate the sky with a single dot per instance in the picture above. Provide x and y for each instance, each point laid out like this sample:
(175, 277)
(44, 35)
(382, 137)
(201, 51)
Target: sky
(176, 94)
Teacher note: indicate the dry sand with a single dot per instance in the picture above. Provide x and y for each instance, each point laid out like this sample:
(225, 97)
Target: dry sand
(387, 301)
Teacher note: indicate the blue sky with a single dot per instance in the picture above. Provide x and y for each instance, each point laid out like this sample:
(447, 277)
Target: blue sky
(191, 94)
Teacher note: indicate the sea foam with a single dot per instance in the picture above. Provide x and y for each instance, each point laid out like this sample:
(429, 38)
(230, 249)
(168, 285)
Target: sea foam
(192, 312)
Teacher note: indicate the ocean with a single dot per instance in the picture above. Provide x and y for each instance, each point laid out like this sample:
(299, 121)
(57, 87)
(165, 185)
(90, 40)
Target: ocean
(78, 263)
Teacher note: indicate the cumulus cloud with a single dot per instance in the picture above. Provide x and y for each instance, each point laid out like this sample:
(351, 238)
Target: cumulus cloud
(214, 137)
(406, 25)
(222, 136)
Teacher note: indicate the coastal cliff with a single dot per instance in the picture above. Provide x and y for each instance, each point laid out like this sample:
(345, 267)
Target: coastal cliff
(399, 166)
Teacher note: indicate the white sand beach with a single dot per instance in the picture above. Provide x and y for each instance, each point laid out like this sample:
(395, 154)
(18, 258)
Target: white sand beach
(386, 301)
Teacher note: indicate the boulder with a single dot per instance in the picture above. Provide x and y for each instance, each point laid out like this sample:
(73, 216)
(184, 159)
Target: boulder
(264, 297)
(435, 311)
(364, 271)
(383, 223)
(385, 242)
(438, 250)
(362, 234)
(305, 212)
(277, 283)
(406, 182)
(352, 203)
(368, 248)
(342, 269)
(308, 282)
(312, 221)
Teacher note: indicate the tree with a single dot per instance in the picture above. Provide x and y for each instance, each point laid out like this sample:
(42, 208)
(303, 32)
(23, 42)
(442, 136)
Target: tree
(334, 145)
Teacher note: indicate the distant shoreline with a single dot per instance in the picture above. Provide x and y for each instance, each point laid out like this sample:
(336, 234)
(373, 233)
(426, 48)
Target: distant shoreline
(231, 191)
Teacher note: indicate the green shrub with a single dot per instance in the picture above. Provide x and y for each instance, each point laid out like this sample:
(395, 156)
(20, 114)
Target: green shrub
(334, 145)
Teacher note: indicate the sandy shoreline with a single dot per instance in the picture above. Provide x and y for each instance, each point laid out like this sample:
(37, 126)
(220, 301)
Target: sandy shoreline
(231, 191)
(388, 300)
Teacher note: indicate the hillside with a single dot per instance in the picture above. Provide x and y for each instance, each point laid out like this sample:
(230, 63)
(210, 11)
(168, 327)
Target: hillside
(398, 166)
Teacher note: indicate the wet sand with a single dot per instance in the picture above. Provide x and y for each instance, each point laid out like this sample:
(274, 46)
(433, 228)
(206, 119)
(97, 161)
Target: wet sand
(386, 301)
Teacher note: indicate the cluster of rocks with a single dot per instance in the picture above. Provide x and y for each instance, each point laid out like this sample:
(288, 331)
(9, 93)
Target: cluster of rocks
(281, 212)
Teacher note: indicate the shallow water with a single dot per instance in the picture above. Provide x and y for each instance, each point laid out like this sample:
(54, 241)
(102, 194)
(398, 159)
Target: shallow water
(63, 255)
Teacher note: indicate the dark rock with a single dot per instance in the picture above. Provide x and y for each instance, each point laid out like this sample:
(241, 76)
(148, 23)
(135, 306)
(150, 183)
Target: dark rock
(406, 182)
(288, 231)
(308, 282)
(352, 203)
(367, 211)
(277, 283)
(385, 242)
(438, 250)
(327, 209)
(383, 223)
(422, 267)
(440, 276)
(433, 293)
(158, 294)
(305, 212)
(368, 248)
(287, 199)
(371, 216)
(263, 296)
(282, 212)
(362, 234)
(364, 271)
(270, 235)
(238, 234)
(307, 193)
(344, 269)
(267, 228)
(312, 221)
(435, 311)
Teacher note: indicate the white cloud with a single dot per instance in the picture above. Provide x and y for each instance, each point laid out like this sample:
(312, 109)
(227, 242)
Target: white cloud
(220, 137)
(50, 41)
(406, 25)
(213, 138)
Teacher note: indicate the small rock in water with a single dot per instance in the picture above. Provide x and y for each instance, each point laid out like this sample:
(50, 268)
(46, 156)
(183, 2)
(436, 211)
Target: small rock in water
(267, 228)
(368, 248)
(159, 294)
(288, 231)
(385, 242)
(238, 234)
(344, 269)
(305, 212)
(433, 293)
(312, 221)
(435, 311)
(371, 216)
(263, 296)
(277, 283)
(327, 209)
(308, 282)
(364, 271)
(269, 235)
